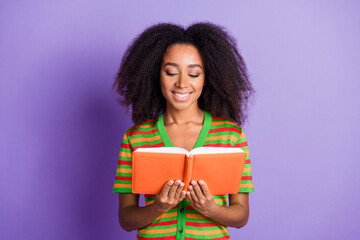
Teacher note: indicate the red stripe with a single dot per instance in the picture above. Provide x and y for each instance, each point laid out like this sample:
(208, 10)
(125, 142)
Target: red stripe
(189, 208)
(243, 144)
(149, 195)
(246, 178)
(247, 161)
(149, 121)
(122, 162)
(157, 238)
(123, 178)
(150, 146)
(219, 238)
(225, 129)
(163, 223)
(197, 224)
(143, 132)
(218, 145)
(218, 118)
(126, 145)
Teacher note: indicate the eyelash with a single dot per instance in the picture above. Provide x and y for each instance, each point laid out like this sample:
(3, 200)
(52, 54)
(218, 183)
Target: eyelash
(173, 74)
(194, 76)
(170, 74)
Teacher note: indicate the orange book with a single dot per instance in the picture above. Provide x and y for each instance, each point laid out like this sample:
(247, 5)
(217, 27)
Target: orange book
(221, 168)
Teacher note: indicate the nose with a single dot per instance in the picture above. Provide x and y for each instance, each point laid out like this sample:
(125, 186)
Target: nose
(182, 81)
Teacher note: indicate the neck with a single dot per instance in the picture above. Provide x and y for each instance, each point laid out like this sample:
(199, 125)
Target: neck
(173, 116)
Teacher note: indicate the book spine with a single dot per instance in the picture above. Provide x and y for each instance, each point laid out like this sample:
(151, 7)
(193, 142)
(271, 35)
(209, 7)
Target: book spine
(188, 171)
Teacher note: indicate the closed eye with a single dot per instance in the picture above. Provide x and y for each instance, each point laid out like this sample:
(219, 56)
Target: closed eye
(170, 74)
(193, 76)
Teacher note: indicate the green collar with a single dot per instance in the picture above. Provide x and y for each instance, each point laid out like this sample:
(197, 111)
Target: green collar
(199, 142)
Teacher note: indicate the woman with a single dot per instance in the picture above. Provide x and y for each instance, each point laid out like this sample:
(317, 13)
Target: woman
(187, 88)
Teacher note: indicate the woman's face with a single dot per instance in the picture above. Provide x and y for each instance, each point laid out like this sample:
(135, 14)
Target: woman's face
(182, 77)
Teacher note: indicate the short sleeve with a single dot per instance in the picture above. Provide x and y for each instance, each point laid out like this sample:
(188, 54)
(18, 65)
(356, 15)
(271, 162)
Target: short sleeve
(246, 184)
(124, 168)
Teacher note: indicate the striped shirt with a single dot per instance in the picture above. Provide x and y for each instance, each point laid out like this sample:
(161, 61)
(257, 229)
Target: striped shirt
(182, 221)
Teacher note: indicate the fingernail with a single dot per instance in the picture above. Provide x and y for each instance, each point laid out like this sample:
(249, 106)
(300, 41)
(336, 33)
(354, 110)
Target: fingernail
(171, 181)
(201, 182)
(193, 182)
(190, 187)
(182, 184)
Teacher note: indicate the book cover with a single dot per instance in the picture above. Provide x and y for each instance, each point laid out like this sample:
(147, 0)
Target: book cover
(220, 168)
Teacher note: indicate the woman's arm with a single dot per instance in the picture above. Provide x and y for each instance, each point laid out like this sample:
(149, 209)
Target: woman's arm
(234, 215)
(132, 217)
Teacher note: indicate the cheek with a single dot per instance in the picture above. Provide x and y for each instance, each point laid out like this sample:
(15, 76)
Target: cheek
(199, 84)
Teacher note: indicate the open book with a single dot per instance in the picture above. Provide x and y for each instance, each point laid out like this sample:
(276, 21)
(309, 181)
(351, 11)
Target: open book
(221, 168)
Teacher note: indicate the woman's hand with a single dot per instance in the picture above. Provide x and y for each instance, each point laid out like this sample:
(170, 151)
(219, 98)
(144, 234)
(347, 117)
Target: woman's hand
(200, 198)
(171, 194)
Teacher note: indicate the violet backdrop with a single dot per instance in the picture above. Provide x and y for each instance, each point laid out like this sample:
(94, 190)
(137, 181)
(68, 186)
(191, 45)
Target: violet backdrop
(61, 128)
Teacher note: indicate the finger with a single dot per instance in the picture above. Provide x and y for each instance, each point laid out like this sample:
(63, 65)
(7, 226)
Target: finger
(204, 188)
(188, 195)
(164, 192)
(197, 190)
(173, 188)
(179, 190)
(193, 194)
(182, 195)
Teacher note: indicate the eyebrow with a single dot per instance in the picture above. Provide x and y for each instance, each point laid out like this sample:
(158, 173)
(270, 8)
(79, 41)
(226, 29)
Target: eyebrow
(176, 65)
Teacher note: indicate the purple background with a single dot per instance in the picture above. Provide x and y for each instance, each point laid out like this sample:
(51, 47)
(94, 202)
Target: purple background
(61, 128)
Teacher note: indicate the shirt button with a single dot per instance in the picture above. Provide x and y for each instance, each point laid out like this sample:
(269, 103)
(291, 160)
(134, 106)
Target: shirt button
(182, 210)
(180, 230)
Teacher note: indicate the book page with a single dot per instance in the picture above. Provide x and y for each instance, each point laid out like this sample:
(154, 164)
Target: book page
(212, 150)
(163, 150)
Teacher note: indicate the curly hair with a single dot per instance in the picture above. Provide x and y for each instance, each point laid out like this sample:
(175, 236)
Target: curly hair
(227, 91)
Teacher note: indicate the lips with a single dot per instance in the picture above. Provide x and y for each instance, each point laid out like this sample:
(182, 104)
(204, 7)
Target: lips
(181, 96)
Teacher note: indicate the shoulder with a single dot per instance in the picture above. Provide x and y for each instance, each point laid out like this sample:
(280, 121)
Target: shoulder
(147, 127)
(144, 135)
(223, 133)
(220, 124)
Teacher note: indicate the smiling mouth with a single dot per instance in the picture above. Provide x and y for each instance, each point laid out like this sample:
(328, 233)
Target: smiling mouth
(181, 96)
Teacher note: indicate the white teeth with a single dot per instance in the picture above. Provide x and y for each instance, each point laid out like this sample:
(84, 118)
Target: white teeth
(182, 95)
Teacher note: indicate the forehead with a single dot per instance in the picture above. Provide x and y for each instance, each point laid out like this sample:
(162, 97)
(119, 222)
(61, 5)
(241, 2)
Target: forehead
(182, 54)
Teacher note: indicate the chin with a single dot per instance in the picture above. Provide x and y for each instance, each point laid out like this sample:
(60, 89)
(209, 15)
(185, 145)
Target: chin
(181, 107)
